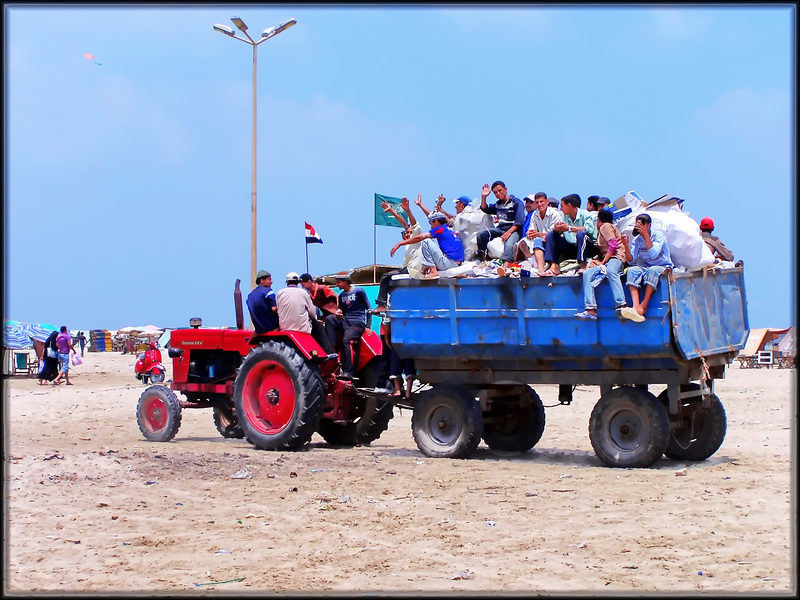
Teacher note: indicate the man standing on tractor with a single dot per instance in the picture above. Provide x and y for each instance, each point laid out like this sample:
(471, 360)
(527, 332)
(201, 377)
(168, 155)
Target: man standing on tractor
(262, 304)
(351, 318)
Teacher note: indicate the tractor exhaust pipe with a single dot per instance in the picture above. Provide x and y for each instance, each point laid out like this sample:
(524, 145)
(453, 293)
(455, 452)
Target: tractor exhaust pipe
(237, 303)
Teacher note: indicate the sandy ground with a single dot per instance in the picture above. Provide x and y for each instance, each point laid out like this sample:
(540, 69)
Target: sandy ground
(93, 507)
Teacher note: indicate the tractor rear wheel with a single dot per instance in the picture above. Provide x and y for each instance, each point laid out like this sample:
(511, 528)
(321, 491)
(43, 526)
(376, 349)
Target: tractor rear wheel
(702, 431)
(226, 422)
(370, 416)
(516, 421)
(447, 423)
(278, 397)
(629, 427)
(158, 414)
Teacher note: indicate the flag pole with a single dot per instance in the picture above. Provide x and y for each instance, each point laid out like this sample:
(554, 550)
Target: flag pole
(374, 241)
(307, 271)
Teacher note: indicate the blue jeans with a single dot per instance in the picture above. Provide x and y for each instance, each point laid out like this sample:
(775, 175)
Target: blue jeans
(486, 235)
(613, 272)
(647, 275)
(63, 361)
(432, 256)
(555, 244)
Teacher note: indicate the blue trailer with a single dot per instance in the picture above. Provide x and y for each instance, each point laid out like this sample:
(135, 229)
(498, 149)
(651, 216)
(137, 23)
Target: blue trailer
(482, 344)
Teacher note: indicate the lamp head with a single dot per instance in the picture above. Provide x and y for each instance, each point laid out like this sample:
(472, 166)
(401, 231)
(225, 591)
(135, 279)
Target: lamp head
(224, 29)
(239, 24)
(270, 31)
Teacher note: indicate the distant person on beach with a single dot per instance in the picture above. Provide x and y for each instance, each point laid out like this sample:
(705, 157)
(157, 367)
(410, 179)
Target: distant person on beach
(65, 344)
(82, 341)
(718, 249)
(648, 254)
(262, 304)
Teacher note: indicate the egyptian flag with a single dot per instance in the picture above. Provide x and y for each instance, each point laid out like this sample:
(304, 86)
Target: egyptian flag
(311, 235)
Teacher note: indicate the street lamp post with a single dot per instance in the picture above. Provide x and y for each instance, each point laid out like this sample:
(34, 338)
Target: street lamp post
(265, 35)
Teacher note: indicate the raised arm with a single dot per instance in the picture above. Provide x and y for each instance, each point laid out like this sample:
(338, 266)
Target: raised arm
(441, 209)
(387, 207)
(407, 207)
(419, 203)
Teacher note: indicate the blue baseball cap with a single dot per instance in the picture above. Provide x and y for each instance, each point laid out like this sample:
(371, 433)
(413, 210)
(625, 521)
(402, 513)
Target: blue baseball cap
(463, 200)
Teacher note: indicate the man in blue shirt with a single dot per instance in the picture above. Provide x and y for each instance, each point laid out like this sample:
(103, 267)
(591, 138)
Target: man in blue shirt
(510, 216)
(351, 319)
(262, 304)
(441, 247)
(648, 254)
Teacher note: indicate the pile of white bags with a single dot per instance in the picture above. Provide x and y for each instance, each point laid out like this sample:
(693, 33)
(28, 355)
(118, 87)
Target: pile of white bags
(686, 246)
(467, 224)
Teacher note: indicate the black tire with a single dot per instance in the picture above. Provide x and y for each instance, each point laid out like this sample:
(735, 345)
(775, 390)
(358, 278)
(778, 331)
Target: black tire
(226, 422)
(447, 423)
(370, 416)
(158, 414)
(145, 379)
(703, 432)
(278, 397)
(516, 421)
(156, 376)
(629, 427)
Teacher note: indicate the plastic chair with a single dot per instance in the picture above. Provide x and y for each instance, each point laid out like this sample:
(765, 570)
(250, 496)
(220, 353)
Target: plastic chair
(21, 362)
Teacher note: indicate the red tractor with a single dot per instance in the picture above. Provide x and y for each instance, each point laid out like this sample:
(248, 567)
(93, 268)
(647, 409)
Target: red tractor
(275, 390)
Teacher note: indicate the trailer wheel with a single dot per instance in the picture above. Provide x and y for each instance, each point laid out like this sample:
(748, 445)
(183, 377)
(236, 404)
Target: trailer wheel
(629, 427)
(371, 416)
(158, 414)
(516, 422)
(702, 431)
(447, 423)
(278, 397)
(226, 422)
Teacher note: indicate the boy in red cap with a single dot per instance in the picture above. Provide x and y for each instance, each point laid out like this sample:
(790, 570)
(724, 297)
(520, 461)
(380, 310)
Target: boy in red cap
(718, 249)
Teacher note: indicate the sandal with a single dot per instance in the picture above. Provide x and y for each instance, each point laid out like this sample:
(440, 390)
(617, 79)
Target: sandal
(547, 273)
(586, 316)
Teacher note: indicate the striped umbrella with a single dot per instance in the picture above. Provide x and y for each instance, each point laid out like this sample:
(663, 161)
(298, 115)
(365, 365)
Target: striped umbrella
(15, 338)
(39, 331)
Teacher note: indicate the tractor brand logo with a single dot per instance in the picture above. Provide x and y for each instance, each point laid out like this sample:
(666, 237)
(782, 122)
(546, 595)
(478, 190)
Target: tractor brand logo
(191, 343)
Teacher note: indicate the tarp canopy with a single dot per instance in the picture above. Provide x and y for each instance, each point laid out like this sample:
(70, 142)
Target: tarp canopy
(758, 338)
(788, 343)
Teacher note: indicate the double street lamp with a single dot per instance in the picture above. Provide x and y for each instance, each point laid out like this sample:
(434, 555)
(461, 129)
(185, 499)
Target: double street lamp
(265, 35)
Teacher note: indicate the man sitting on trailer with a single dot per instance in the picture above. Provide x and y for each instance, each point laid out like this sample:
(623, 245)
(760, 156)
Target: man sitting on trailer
(718, 249)
(261, 304)
(648, 255)
(351, 319)
(574, 237)
(441, 248)
(510, 216)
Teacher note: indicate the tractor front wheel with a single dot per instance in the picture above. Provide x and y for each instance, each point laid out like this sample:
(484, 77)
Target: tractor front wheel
(158, 414)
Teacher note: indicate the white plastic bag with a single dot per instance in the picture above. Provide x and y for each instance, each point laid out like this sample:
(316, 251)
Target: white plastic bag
(466, 226)
(686, 247)
(76, 359)
(496, 247)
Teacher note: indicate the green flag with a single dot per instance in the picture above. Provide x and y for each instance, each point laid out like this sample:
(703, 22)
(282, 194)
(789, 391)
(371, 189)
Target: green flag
(387, 218)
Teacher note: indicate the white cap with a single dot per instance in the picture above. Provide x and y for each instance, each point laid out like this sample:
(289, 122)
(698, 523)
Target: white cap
(292, 276)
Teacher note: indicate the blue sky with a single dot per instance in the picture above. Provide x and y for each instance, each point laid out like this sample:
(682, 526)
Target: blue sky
(127, 183)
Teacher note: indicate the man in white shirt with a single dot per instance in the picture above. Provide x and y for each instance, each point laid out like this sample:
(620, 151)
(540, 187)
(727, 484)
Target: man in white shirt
(295, 308)
(542, 222)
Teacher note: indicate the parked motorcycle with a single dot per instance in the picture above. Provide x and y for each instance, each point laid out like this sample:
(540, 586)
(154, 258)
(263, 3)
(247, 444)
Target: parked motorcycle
(149, 367)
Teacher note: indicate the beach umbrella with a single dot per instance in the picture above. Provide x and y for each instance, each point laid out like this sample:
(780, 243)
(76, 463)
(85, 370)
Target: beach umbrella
(15, 338)
(39, 331)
